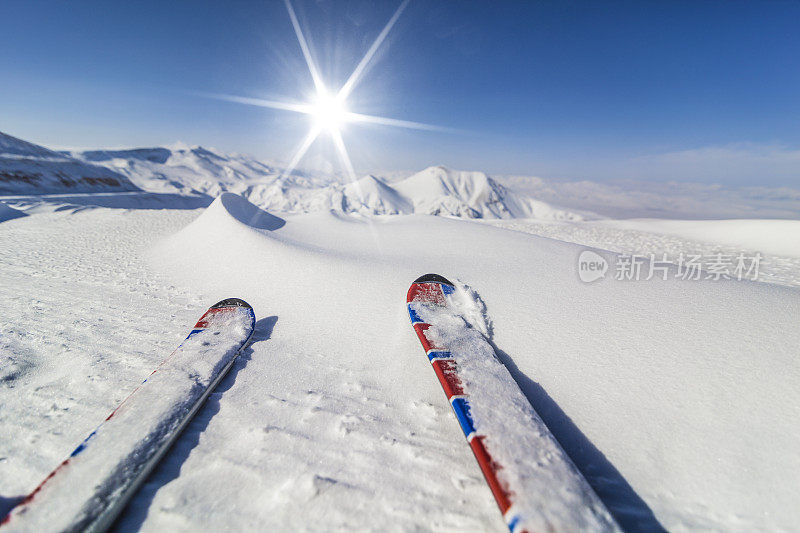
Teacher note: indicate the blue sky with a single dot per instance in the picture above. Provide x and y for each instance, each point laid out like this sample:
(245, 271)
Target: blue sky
(693, 91)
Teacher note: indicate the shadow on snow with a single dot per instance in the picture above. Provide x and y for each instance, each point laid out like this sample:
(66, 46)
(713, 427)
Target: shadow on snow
(628, 509)
(124, 200)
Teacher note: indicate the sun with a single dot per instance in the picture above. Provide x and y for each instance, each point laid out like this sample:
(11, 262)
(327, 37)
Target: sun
(329, 112)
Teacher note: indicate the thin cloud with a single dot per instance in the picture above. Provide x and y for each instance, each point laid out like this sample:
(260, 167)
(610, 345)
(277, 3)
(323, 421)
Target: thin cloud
(733, 164)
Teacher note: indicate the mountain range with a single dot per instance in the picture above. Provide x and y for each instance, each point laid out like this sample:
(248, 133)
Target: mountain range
(26, 168)
(194, 176)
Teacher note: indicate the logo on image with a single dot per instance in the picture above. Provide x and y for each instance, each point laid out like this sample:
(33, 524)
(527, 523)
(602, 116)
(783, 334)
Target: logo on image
(591, 266)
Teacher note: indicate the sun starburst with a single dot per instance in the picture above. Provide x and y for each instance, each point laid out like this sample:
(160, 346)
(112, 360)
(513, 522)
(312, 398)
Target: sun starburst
(328, 110)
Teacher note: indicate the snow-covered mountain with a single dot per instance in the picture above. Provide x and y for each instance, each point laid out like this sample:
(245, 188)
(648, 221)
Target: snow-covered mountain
(201, 174)
(434, 191)
(182, 169)
(372, 195)
(441, 191)
(27, 168)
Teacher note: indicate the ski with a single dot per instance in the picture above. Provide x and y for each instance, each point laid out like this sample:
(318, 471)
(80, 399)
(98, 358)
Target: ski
(89, 489)
(535, 484)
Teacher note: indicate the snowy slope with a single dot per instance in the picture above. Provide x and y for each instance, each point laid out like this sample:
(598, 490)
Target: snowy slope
(676, 399)
(779, 237)
(656, 385)
(9, 213)
(27, 168)
(774, 241)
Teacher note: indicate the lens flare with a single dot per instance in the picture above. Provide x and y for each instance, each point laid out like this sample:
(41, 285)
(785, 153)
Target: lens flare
(328, 110)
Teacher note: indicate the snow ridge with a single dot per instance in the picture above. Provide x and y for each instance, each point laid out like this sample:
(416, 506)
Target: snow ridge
(27, 168)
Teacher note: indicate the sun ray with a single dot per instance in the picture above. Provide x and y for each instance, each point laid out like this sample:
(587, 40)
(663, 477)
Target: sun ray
(260, 102)
(355, 77)
(312, 67)
(348, 116)
(338, 142)
(345, 158)
(329, 109)
(386, 121)
(313, 133)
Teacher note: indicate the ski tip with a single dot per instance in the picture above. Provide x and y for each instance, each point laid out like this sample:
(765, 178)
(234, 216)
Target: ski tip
(231, 302)
(433, 278)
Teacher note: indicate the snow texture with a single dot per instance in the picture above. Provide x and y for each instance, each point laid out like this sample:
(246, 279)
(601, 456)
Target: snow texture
(676, 400)
(9, 213)
(655, 374)
(775, 237)
(87, 487)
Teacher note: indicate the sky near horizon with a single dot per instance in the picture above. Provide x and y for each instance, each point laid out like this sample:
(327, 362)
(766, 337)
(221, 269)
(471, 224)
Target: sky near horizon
(689, 91)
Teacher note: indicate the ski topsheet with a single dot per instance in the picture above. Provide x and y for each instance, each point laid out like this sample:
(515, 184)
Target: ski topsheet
(536, 486)
(90, 488)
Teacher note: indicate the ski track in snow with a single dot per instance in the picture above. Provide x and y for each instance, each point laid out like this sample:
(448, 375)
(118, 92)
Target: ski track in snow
(333, 420)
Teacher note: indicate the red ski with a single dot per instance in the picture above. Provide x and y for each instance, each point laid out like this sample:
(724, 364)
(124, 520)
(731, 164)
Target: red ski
(536, 486)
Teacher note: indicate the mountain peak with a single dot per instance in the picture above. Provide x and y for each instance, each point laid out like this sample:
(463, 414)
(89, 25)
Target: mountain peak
(27, 168)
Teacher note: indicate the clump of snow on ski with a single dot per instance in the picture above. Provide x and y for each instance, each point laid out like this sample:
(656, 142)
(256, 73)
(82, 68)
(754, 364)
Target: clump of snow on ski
(535, 484)
(87, 490)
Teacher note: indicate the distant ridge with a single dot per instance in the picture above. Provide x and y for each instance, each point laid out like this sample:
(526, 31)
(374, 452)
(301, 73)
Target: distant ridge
(192, 171)
(27, 168)
(437, 190)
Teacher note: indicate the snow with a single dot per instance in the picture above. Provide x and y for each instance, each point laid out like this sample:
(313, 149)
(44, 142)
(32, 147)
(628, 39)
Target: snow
(655, 374)
(664, 200)
(9, 213)
(677, 400)
(776, 244)
(776, 237)
(372, 196)
(86, 488)
(26, 168)
(207, 173)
